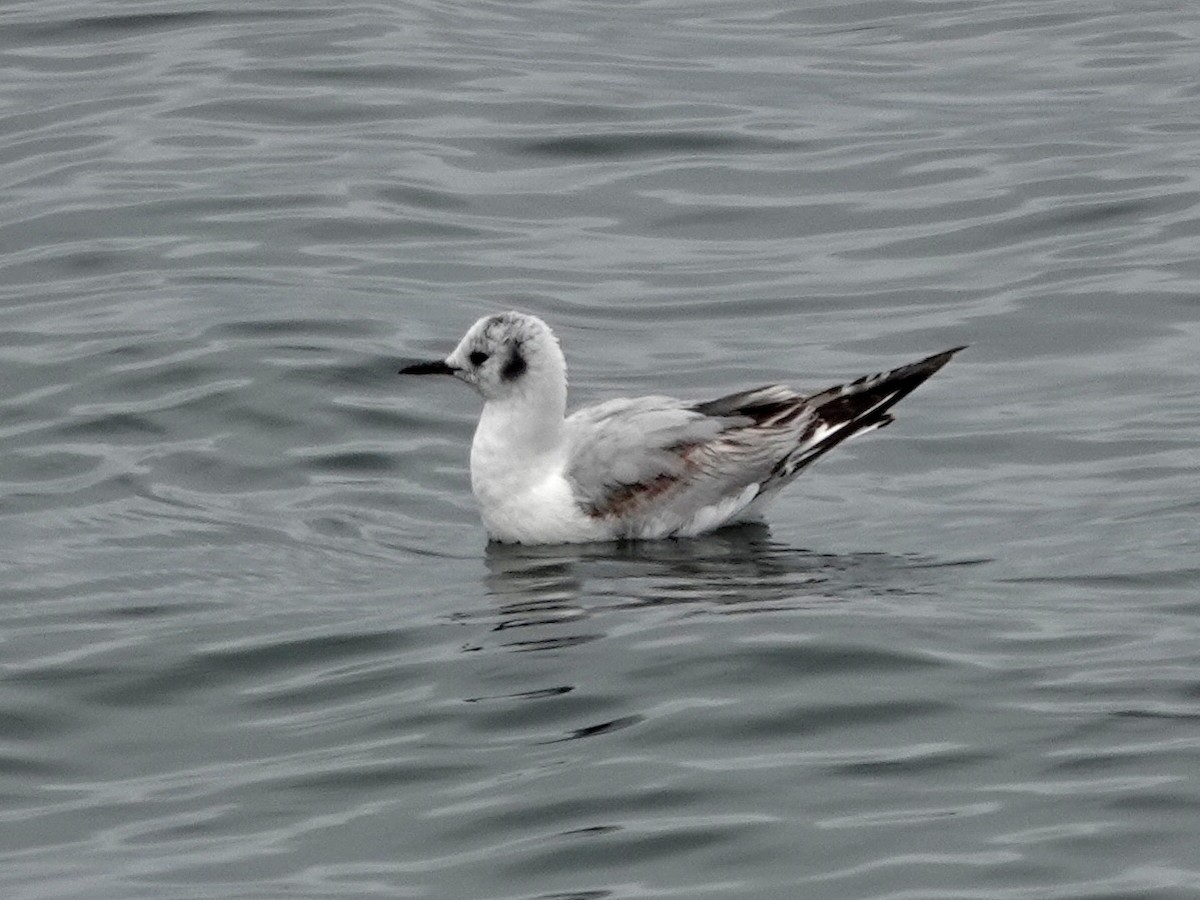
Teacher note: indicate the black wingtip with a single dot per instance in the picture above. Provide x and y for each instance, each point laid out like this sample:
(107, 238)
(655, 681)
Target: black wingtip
(907, 378)
(946, 354)
(864, 404)
(931, 364)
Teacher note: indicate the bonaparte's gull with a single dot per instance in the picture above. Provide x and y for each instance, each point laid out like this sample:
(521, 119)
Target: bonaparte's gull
(650, 467)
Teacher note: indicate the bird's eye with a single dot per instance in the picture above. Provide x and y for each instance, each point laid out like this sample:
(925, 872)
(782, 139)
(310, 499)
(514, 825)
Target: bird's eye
(478, 358)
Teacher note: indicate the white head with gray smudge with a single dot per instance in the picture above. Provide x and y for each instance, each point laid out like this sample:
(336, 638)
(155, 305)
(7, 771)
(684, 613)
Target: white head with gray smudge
(509, 354)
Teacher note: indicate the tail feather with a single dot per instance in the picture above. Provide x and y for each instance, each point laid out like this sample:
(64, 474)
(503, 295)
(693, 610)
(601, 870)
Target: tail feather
(859, 406)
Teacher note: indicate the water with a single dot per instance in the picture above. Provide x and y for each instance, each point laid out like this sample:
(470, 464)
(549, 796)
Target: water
(254, 643)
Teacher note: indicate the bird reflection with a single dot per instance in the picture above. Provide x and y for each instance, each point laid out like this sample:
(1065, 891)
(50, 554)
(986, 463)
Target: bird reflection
(738, 569)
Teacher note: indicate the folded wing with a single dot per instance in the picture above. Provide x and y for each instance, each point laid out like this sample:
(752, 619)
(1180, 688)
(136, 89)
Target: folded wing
(658, 464)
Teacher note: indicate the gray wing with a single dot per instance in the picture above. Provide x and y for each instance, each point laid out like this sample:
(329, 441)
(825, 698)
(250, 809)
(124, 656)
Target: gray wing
(632, 456)
(628, 441)
(641, 457)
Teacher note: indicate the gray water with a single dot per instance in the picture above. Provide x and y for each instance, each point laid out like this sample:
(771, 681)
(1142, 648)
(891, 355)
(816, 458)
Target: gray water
(253, 643)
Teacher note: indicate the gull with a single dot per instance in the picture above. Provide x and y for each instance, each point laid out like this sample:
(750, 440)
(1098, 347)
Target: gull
(640, 468)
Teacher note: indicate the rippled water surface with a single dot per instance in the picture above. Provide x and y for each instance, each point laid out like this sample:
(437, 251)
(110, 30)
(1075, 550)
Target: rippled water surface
(253, 643)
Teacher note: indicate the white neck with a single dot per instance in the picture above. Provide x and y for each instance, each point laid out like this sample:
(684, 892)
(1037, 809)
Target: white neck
(519, 440)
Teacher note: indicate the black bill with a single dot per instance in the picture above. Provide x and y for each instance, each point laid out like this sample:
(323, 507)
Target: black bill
(433, 367)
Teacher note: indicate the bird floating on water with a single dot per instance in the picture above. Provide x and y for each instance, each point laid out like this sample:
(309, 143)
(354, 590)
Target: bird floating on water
(645, 467)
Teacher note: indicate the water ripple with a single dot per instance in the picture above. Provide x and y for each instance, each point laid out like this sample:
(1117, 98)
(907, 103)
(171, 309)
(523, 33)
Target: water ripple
(254, 643)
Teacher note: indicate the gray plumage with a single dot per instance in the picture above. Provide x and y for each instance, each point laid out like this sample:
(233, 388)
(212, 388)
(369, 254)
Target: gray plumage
(627, 457)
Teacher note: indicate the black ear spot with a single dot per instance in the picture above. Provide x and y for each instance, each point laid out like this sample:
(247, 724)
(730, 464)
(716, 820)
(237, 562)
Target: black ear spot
(515, 367)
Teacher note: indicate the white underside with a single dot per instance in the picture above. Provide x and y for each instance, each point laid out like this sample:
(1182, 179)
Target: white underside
(545, 511)
(541, 512)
